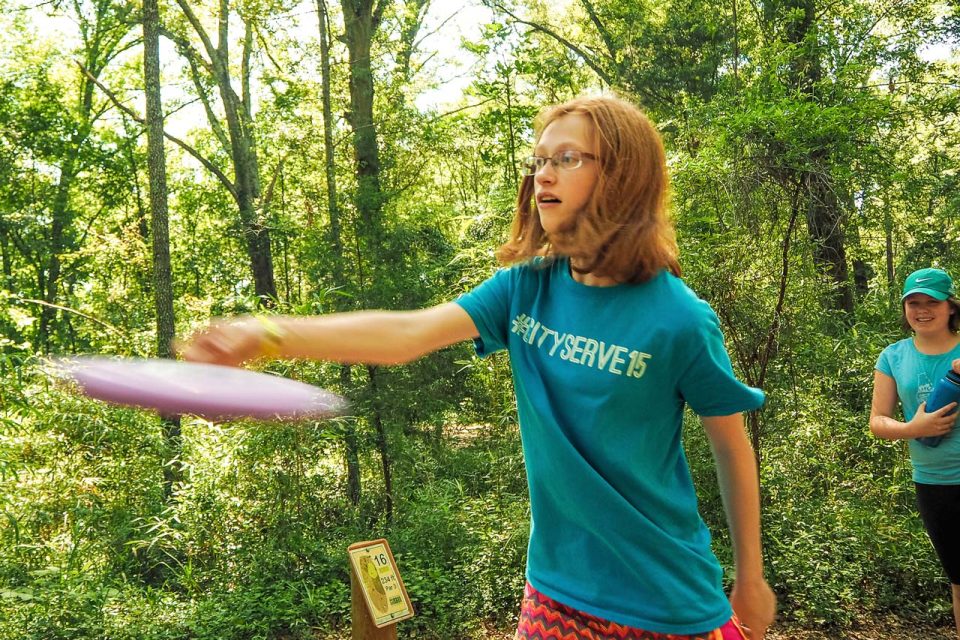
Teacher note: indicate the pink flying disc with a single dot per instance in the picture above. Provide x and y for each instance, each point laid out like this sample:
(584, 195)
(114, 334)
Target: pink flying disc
(210, 391)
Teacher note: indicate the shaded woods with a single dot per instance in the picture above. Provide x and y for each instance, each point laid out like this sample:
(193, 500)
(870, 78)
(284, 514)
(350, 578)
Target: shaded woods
(166, 162)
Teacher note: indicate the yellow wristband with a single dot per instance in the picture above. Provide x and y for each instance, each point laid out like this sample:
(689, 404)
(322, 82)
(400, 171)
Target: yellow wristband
(271, 340)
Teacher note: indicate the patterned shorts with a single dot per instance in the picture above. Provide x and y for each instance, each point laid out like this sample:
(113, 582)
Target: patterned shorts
(544, 619)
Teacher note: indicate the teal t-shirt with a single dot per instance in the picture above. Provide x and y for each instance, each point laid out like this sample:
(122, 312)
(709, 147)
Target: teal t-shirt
(601, 376)
(915, 374)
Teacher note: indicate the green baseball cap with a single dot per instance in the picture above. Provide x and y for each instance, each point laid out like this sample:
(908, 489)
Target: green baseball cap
(936, 283)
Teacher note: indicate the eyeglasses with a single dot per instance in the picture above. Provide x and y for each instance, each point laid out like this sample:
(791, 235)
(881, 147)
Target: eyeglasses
(567, 160)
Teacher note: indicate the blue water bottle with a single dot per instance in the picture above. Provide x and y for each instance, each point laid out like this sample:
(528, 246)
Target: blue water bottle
(946, 390)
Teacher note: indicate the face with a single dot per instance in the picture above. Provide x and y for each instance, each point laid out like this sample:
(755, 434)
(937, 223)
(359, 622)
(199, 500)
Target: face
(562, 194)
(926, 314)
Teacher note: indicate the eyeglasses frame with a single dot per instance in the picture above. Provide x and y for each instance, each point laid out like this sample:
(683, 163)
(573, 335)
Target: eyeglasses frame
(541, 161)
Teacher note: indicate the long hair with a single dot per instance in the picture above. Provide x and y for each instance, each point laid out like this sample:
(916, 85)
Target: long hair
(624, 231)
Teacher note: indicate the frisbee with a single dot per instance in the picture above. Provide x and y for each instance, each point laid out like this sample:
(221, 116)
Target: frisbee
(210, 391)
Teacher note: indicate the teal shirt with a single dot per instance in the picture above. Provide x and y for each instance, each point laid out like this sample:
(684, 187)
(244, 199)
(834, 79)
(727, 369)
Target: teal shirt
(915, 374)
(601, 376)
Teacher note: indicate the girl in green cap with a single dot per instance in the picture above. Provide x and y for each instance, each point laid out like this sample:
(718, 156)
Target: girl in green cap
(907, 371)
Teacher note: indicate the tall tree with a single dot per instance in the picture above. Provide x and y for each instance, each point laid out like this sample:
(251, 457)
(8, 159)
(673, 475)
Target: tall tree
(103, 26)
(340, 281)
(825, 223)
(361, 20)
(159, 219)
(212, 63)
(157, 171)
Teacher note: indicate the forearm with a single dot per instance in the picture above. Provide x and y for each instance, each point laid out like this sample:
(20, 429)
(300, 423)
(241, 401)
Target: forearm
(371, 337)
(889, 428)
(740, 491)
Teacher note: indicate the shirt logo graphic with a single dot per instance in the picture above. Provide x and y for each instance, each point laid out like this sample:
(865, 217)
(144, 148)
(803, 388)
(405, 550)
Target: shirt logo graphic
(586, 352)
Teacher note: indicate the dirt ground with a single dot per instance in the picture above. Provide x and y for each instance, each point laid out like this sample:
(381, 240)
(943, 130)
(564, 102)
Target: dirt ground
(889, 629)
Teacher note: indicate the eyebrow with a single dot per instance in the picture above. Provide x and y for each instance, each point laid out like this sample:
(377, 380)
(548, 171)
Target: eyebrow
(563, 146)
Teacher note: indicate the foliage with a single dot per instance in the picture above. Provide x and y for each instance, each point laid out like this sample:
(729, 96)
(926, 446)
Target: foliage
(773, 117)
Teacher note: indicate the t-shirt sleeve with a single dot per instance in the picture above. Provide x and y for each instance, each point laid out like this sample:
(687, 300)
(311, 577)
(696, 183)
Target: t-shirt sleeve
(708, 383)
(489, 307)
(883, 363)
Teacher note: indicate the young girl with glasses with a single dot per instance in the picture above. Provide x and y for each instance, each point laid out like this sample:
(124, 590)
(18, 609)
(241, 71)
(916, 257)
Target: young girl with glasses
(607, 346)
(906, 372)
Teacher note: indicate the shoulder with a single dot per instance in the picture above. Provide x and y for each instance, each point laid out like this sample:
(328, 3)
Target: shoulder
(895, 356)
(898, 349)
(537, 267)
(508, 281)
(687, 308)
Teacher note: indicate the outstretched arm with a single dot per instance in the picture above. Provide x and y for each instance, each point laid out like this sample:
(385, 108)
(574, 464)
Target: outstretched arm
(370, 337)
(752, 599)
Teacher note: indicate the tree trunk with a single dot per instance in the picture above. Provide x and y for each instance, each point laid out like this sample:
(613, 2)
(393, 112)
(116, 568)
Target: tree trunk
(241, 140)
(62, 220)
(7, 263)
(824, 215)
(361, 20)
(360, 23)
(159, 225)
(888, 251)
(157, 171)
(377, 419)
(351, 444)
(825, 225)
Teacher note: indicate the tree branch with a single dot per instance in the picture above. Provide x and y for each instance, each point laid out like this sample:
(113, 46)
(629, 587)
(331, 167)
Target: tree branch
(212, 168)
(450, 113)
(590, 62)
(377, 15)
(187, 49)
(215, 125)
(201, 33)
(267, 198)
(604, 33)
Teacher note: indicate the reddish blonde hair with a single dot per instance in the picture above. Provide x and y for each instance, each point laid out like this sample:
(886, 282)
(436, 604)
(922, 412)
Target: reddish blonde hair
(624, 232)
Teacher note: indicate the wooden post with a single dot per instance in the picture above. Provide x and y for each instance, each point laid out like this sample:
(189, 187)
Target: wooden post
(378, 599)
(362, 622)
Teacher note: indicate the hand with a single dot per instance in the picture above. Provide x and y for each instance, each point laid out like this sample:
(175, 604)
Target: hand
(935, 423)
(226, 342)
(955, 365)
(755, 605)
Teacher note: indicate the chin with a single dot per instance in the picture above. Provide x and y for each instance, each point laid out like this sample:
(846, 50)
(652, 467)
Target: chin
(551, 225)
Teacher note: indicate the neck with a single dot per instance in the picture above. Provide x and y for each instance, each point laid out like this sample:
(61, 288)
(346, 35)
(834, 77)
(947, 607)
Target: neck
(941, 342)
(591, 280)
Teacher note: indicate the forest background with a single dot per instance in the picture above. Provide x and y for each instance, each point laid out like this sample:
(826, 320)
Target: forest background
(165, 162)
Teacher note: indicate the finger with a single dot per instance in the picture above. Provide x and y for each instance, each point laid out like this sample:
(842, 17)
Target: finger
(944, 410)
(208, 347)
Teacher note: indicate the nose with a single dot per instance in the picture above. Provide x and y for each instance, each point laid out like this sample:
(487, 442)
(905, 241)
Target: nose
(546, 174)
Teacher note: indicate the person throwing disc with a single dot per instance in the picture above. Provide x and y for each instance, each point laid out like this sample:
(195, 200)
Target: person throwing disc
(607, 346)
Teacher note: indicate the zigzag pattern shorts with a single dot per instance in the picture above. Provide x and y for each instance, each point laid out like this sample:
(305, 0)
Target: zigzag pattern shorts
(542, 618)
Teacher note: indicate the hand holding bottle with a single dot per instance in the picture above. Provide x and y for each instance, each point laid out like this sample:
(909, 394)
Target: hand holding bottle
(939, 411)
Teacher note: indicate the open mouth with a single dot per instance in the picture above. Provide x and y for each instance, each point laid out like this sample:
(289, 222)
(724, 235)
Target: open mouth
(548, 199)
